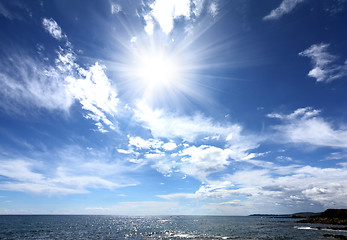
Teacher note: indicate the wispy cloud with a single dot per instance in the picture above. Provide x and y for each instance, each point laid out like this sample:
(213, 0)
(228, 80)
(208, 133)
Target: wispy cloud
(27, 81)
(285, 7)
(305, 125)
(190, 128)
(71, 171)
(325, 68)
(4, 11)
(51, 26)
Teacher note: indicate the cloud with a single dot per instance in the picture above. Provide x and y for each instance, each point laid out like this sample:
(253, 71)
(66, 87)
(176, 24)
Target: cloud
(213, 9)
(165, 13)
(28, 82)
(177, 156)
(70, 171)
(289, 187)
(93, 90)
(51, 26)
(325, 67)
(115, 8)
(197, 7)
(145, 144)
(25, 81)
(200, 162)
(305, 126)
(22, 178)
(169, 146)
(285, 7)
(189, 128)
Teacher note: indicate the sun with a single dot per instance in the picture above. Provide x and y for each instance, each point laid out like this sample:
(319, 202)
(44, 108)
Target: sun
(157, 70)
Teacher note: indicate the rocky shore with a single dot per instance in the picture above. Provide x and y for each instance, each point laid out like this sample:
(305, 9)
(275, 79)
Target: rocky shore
(329, 216)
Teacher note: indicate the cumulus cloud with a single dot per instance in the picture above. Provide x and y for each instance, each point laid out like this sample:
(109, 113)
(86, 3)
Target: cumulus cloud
(325, 68)
(165, 13)
(299, 186)
(51, 26)
(200, 162)
(305, 125)
(285, 7)
(145, 144)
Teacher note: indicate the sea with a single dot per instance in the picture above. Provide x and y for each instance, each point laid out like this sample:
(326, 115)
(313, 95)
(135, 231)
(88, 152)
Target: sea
(160, 227)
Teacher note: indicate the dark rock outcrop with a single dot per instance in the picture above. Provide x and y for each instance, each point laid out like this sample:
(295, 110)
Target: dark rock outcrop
(329, 216)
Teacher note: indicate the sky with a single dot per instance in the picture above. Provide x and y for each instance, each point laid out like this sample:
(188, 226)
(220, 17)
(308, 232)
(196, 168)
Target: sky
(169, 107)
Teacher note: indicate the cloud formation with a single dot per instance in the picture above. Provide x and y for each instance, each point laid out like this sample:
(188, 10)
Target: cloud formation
(305, 125)
(51, 26)
(325, 68)
(166, 12)
(276, 187)
(70, 171)
(285, 7)
(26, 81)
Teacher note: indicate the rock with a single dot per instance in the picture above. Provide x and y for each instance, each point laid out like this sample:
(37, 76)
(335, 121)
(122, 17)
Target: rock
(329, 216)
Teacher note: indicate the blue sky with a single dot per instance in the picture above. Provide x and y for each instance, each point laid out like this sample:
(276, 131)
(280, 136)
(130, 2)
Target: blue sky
(173, 107)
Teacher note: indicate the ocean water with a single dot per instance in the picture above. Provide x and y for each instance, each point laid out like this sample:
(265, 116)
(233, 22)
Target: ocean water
(161, 227)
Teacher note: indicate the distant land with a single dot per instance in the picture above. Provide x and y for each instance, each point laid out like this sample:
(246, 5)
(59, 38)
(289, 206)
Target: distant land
(329, 216)
(292, 215)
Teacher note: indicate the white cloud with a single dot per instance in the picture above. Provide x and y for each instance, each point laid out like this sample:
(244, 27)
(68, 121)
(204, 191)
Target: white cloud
(51, 26)
(70, 171)
(149, 28)
(115, 8)
(325, 69)
(23, 178)
(26, 81)
(96, 95)
(305, 126)
(169, 146)
(145, 144)
(285, 7)
(213, 9)
(189, 128)
(299, 186)
(200, 162)
(165, 12)
(197, 7)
